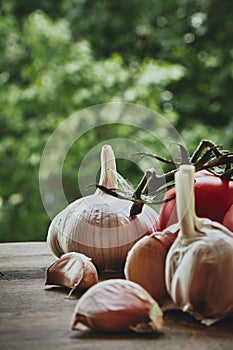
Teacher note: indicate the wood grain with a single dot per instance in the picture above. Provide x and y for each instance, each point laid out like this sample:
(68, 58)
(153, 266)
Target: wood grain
(33, 316)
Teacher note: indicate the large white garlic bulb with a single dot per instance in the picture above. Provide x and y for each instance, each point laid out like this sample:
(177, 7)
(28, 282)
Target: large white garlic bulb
(199, 264)
(99, 225)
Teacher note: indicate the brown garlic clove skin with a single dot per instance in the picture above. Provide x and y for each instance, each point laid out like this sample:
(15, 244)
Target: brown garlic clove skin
(72, 270)
(118, 305)
(145, 264)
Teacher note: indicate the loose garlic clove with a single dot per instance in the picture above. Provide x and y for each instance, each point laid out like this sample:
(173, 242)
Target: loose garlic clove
(72, 270)
(118, 305)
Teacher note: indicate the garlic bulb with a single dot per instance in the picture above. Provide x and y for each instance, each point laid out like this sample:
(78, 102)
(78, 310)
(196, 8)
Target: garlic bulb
(118, 305)
(99, 225)
(72, 270)
(199, 264)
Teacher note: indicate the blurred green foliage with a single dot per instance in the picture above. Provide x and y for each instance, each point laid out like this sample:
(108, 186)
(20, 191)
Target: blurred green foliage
(58, 57)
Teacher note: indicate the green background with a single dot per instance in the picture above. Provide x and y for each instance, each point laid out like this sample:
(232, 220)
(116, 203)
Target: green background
(58, 57)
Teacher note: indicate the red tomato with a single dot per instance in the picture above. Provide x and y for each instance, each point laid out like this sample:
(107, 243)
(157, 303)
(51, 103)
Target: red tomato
(228, 219)
(213, 198)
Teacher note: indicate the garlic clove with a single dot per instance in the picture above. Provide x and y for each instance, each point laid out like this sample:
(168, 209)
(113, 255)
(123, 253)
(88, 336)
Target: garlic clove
(118, 305)
(72, 270)
(145, 263)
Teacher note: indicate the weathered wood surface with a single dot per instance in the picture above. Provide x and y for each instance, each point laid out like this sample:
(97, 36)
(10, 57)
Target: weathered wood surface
(35, 317)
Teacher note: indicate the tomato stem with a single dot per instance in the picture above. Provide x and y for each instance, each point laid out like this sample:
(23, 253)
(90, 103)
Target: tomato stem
(207, 156)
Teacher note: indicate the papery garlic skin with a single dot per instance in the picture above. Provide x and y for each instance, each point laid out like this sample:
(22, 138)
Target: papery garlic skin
(99, 225)
(199, 264)
(100, 233)
(72, 270)
(118, 305)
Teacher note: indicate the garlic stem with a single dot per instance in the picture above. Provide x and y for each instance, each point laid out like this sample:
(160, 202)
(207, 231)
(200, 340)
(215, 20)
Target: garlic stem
(185, 200)
(108, 176)
(137, 207)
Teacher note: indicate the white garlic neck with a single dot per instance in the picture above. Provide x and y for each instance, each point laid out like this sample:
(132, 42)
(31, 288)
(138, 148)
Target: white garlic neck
(108, 176)
(185, 201)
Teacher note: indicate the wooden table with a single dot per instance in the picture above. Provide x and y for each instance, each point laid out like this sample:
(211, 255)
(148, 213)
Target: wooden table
(33, 316)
